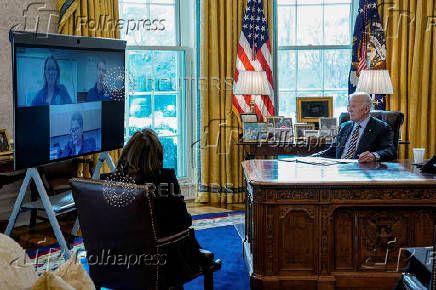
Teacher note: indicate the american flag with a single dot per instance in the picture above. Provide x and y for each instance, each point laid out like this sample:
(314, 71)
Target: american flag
(254, 54)
(363, 51)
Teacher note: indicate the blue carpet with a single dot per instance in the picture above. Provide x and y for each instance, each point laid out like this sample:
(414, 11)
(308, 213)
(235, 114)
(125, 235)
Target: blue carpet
(226, 244)
(214, 215)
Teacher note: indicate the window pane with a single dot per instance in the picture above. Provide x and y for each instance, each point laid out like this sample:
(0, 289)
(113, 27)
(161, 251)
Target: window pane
(337, 1)
(160, 1)
(149, 1)
(130, 13)
(287, 105)
(340, 101)
(165, 117)
(159, 105)
(284, 2)
(310, 94)
(148, 24)
(170, 150)
(309, 2)
(316, 72)
(287, 69)
(166, 25)
(140, 109)
(309, 25)
(309, 69)
(286, 25)
(140, 70)
(336, 68)
(164, 69)
(337, 24)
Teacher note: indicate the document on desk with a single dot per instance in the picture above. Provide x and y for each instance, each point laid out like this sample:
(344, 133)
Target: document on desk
(319, 160)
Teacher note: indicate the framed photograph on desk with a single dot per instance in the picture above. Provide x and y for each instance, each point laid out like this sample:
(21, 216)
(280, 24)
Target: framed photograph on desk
(5, 146)
(248, 117)
(255, 132)
(283, 134)
(300, 128)
(284, 123)
(272, 120)
(328, 123)
(327, 133)
(310, 109)
(311, 133)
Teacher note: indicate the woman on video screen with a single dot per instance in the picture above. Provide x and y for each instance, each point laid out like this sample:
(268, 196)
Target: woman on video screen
(52, 93)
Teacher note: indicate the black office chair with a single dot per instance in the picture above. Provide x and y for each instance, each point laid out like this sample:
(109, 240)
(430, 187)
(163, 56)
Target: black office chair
(394, 118)
(117, 219)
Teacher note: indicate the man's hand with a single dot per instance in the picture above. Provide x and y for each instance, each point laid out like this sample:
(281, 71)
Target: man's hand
(366, 157)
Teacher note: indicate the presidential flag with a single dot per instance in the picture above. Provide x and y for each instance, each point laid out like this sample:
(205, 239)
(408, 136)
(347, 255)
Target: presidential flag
(254, 54)
(369, 47)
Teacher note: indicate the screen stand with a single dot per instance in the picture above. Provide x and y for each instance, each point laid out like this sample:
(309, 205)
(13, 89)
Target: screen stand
(104, 157)
(32, 173)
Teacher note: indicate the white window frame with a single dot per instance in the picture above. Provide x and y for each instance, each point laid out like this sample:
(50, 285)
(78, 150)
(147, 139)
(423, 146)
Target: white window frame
(353, 9)
(185, 23)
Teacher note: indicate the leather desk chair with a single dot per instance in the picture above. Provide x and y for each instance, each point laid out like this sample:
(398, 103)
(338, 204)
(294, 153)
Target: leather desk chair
(394, 118)
(117, 220)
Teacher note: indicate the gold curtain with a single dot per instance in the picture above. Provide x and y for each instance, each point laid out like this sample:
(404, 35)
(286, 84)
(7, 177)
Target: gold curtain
(410, 28)
(221, 170)
(92, 18)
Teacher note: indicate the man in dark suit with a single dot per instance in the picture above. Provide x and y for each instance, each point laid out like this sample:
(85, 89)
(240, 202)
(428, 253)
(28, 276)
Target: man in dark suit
(365, 138)
(100, 91)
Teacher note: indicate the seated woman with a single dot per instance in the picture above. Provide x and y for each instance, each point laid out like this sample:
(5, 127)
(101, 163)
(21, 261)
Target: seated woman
(53, 92)
(142, 162)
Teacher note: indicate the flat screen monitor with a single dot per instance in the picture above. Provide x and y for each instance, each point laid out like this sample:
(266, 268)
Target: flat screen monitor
(68, 96)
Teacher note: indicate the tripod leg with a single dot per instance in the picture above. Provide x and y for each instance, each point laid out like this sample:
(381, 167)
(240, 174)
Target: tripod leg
(18, 202)
(33, 197)
(50, 213)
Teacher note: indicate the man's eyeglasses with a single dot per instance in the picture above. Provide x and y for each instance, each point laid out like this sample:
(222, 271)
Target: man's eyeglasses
(75, 130)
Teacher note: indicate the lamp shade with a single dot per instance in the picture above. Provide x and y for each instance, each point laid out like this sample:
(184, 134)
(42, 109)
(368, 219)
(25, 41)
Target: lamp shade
(375, 82)
(251, 83)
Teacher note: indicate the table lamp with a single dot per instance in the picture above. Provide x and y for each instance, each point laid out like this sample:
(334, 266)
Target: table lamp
(375, 82)
(252, 83)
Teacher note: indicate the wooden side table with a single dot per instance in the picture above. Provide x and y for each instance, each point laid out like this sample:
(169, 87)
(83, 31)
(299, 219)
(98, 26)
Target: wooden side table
(300, 148)
(7, 173)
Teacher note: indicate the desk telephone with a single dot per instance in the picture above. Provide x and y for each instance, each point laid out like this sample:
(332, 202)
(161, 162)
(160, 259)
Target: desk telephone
(430, 166)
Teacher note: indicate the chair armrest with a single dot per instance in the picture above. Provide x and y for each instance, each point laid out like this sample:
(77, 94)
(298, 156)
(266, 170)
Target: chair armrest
(173, 238)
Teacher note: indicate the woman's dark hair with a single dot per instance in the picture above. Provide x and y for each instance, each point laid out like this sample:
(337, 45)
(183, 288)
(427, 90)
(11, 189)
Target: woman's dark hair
(142, 156)
(57, 68)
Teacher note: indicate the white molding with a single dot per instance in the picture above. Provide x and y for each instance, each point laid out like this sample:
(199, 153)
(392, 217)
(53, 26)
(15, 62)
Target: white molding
(189, 190)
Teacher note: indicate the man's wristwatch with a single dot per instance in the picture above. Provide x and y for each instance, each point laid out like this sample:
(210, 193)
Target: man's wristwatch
(377, 157)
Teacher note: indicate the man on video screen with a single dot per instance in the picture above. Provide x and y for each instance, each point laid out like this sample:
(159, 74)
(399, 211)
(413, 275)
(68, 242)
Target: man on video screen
(78, 144)
(100, 91)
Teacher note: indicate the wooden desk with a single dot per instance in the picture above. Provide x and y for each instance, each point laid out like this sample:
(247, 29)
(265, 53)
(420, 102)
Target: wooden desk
(334, 227)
